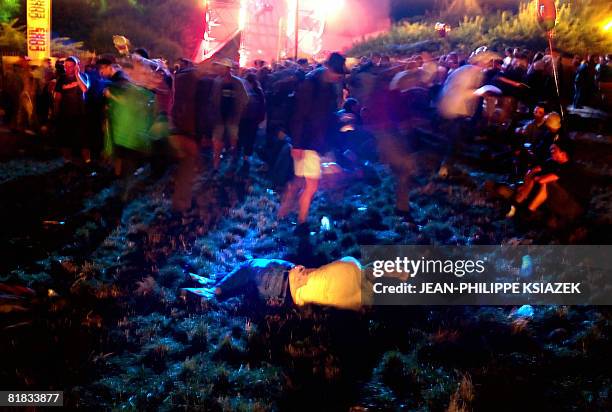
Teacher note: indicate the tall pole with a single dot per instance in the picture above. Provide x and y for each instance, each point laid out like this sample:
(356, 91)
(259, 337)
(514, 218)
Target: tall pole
(296, 29)
(555, 73)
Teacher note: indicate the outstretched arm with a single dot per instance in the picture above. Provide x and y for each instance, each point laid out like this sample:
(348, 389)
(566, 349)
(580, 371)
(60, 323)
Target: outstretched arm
(82, 79)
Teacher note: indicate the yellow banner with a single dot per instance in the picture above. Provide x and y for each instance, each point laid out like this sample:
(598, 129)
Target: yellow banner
(39, 29)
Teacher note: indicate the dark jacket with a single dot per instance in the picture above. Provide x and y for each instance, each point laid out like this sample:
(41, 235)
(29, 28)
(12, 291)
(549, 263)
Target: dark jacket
(314, 119)
(240, 95)
(184, 102)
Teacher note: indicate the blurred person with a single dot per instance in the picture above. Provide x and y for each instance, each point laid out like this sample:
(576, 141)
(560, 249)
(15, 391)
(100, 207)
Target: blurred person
(277, 155)
(182, 63)
(507, 58)
(184, 139)
(457, 99)
(458, 103)
(584, 86)
(379, 117)
(129, 118)
(228, 100)
(254, 114)
(408, 78)
(162, 87)
(26, 104)
(376, 59)
(312, 124)
(385, 61)
(69, 96)
(44, 98)
(281, 99)
(452, 62)
(603, 78)
(511, 81)
(541, 82)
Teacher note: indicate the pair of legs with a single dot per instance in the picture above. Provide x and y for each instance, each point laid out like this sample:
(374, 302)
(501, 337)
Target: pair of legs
(307, 167)
(218, 135)
(247, 135)
(186, 151)
(26, 112)
(558, 200)
(394, 153)
(72, 137)
(67, 154)
(527, 189)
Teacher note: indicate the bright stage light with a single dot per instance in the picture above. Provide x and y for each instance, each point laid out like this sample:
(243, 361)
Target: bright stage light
(242, 21)
(607, 26)
(242, 16)
(331, 7)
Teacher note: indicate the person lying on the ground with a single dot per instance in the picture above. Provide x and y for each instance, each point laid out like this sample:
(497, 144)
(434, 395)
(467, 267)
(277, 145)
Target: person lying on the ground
(279, 283)
(558, 184)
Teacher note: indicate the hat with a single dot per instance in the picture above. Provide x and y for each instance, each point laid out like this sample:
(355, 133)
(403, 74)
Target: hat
(225, 61)
(336, 63)
(73, 59)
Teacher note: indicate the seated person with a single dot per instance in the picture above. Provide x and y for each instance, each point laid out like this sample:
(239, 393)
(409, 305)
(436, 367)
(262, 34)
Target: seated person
(279, 283)
(553, 133)
(557, 184)
(535, 129)
(529, 137)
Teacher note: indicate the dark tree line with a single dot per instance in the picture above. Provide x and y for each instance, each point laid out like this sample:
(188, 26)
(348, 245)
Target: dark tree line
(168, 28)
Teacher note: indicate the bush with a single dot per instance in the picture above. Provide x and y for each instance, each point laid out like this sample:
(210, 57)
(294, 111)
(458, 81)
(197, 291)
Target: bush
(403, 34)
(579, 29)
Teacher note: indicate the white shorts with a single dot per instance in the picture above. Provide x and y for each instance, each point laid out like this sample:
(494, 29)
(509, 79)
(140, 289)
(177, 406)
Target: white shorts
(306, 163)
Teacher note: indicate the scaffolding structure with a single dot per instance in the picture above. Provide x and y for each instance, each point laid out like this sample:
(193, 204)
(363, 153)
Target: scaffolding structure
(267, 28)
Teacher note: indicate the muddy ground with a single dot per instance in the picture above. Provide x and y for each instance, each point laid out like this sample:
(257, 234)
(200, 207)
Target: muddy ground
(104, 319)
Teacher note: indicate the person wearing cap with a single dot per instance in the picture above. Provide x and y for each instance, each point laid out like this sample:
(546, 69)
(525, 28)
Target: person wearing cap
(228, 100)
(313, 122)
(69, 99)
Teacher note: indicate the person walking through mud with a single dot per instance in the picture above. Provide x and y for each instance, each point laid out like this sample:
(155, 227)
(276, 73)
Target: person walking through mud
(228, 100)
(69, 99)
(254, 115)
(183, 137)
(313, 122)
(129, 118)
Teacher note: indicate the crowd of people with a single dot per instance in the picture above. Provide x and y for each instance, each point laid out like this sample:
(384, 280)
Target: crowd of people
(297, 114)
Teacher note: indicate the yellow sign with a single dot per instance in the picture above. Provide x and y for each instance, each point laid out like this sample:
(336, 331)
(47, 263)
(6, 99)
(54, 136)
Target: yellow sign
(39, 29)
